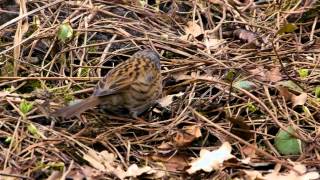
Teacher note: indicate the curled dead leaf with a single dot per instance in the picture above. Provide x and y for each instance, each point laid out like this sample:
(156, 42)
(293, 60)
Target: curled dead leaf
(193, 130)
(299, 100)
(183, 139)
(167, 100)
(211, 160)
(187, 135)
(134, 171)
(177, 162)
(294, 99)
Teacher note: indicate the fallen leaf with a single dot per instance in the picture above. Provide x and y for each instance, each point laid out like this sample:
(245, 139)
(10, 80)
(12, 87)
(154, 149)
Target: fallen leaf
(88, 173)
(293, 175)
(262, 74)
(248, 36)
(252, 175)
(104, 161)
(299, 100)
(187, 135)
(290, 85)
(259, 73)
(274, 75)
(134, 171)
(191, 29)
(288, 96)
(211, 160)
(247, 85)
(285, 93)
(177, 162)
(212, 43)
(248, 151)
(287, 144)
(193, 130)
(183, 139)
(167, 100)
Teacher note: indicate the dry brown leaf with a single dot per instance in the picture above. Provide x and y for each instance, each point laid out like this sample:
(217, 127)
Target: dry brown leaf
(263, 74)
(285, 93)
(167, 100)
(259, 73)
(292, 175)
(288, 96)
(212, 43)
(85, 172)
(248, 151)
(104, 161)
(248, 36)
(183, 139)
(187, 135)
(252, 175)
(274, 75)
(211, 160)
(165, 146)
(299, 100)
(192, 29)
(174, 163)
(134, 171)
(193, 130)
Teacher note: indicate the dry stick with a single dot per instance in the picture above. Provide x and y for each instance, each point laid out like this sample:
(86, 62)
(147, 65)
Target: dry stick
(29, 13)
(14, 175)
(104, 54)
(50, 78)
(284, 163)
(17, 79)
(282, 66)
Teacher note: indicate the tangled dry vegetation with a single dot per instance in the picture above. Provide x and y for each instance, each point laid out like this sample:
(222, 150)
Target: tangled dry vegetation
(235, 73)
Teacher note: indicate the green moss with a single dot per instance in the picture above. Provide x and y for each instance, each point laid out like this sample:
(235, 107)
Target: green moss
(67, 96)
(85, 72)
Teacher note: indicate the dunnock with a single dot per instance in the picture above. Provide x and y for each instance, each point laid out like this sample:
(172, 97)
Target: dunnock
(133, 85)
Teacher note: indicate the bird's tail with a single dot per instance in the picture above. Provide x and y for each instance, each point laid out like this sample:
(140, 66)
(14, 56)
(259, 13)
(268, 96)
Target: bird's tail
(78, 108)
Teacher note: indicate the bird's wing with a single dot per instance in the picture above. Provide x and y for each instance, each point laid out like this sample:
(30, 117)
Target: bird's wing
(138, 69)
(117, 79)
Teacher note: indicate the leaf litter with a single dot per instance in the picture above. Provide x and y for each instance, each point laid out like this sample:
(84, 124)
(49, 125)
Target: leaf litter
(270, 48)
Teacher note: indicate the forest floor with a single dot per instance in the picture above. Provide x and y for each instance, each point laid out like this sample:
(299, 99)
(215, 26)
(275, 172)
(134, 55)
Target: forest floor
(241, 92)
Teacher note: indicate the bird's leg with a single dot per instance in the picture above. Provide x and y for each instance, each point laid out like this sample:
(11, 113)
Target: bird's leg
(135, 116)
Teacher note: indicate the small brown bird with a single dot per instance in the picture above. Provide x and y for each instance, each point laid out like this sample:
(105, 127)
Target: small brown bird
(133, 85)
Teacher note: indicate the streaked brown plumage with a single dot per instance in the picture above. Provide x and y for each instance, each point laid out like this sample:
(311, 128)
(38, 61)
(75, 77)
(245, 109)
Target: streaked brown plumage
(133, 85)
